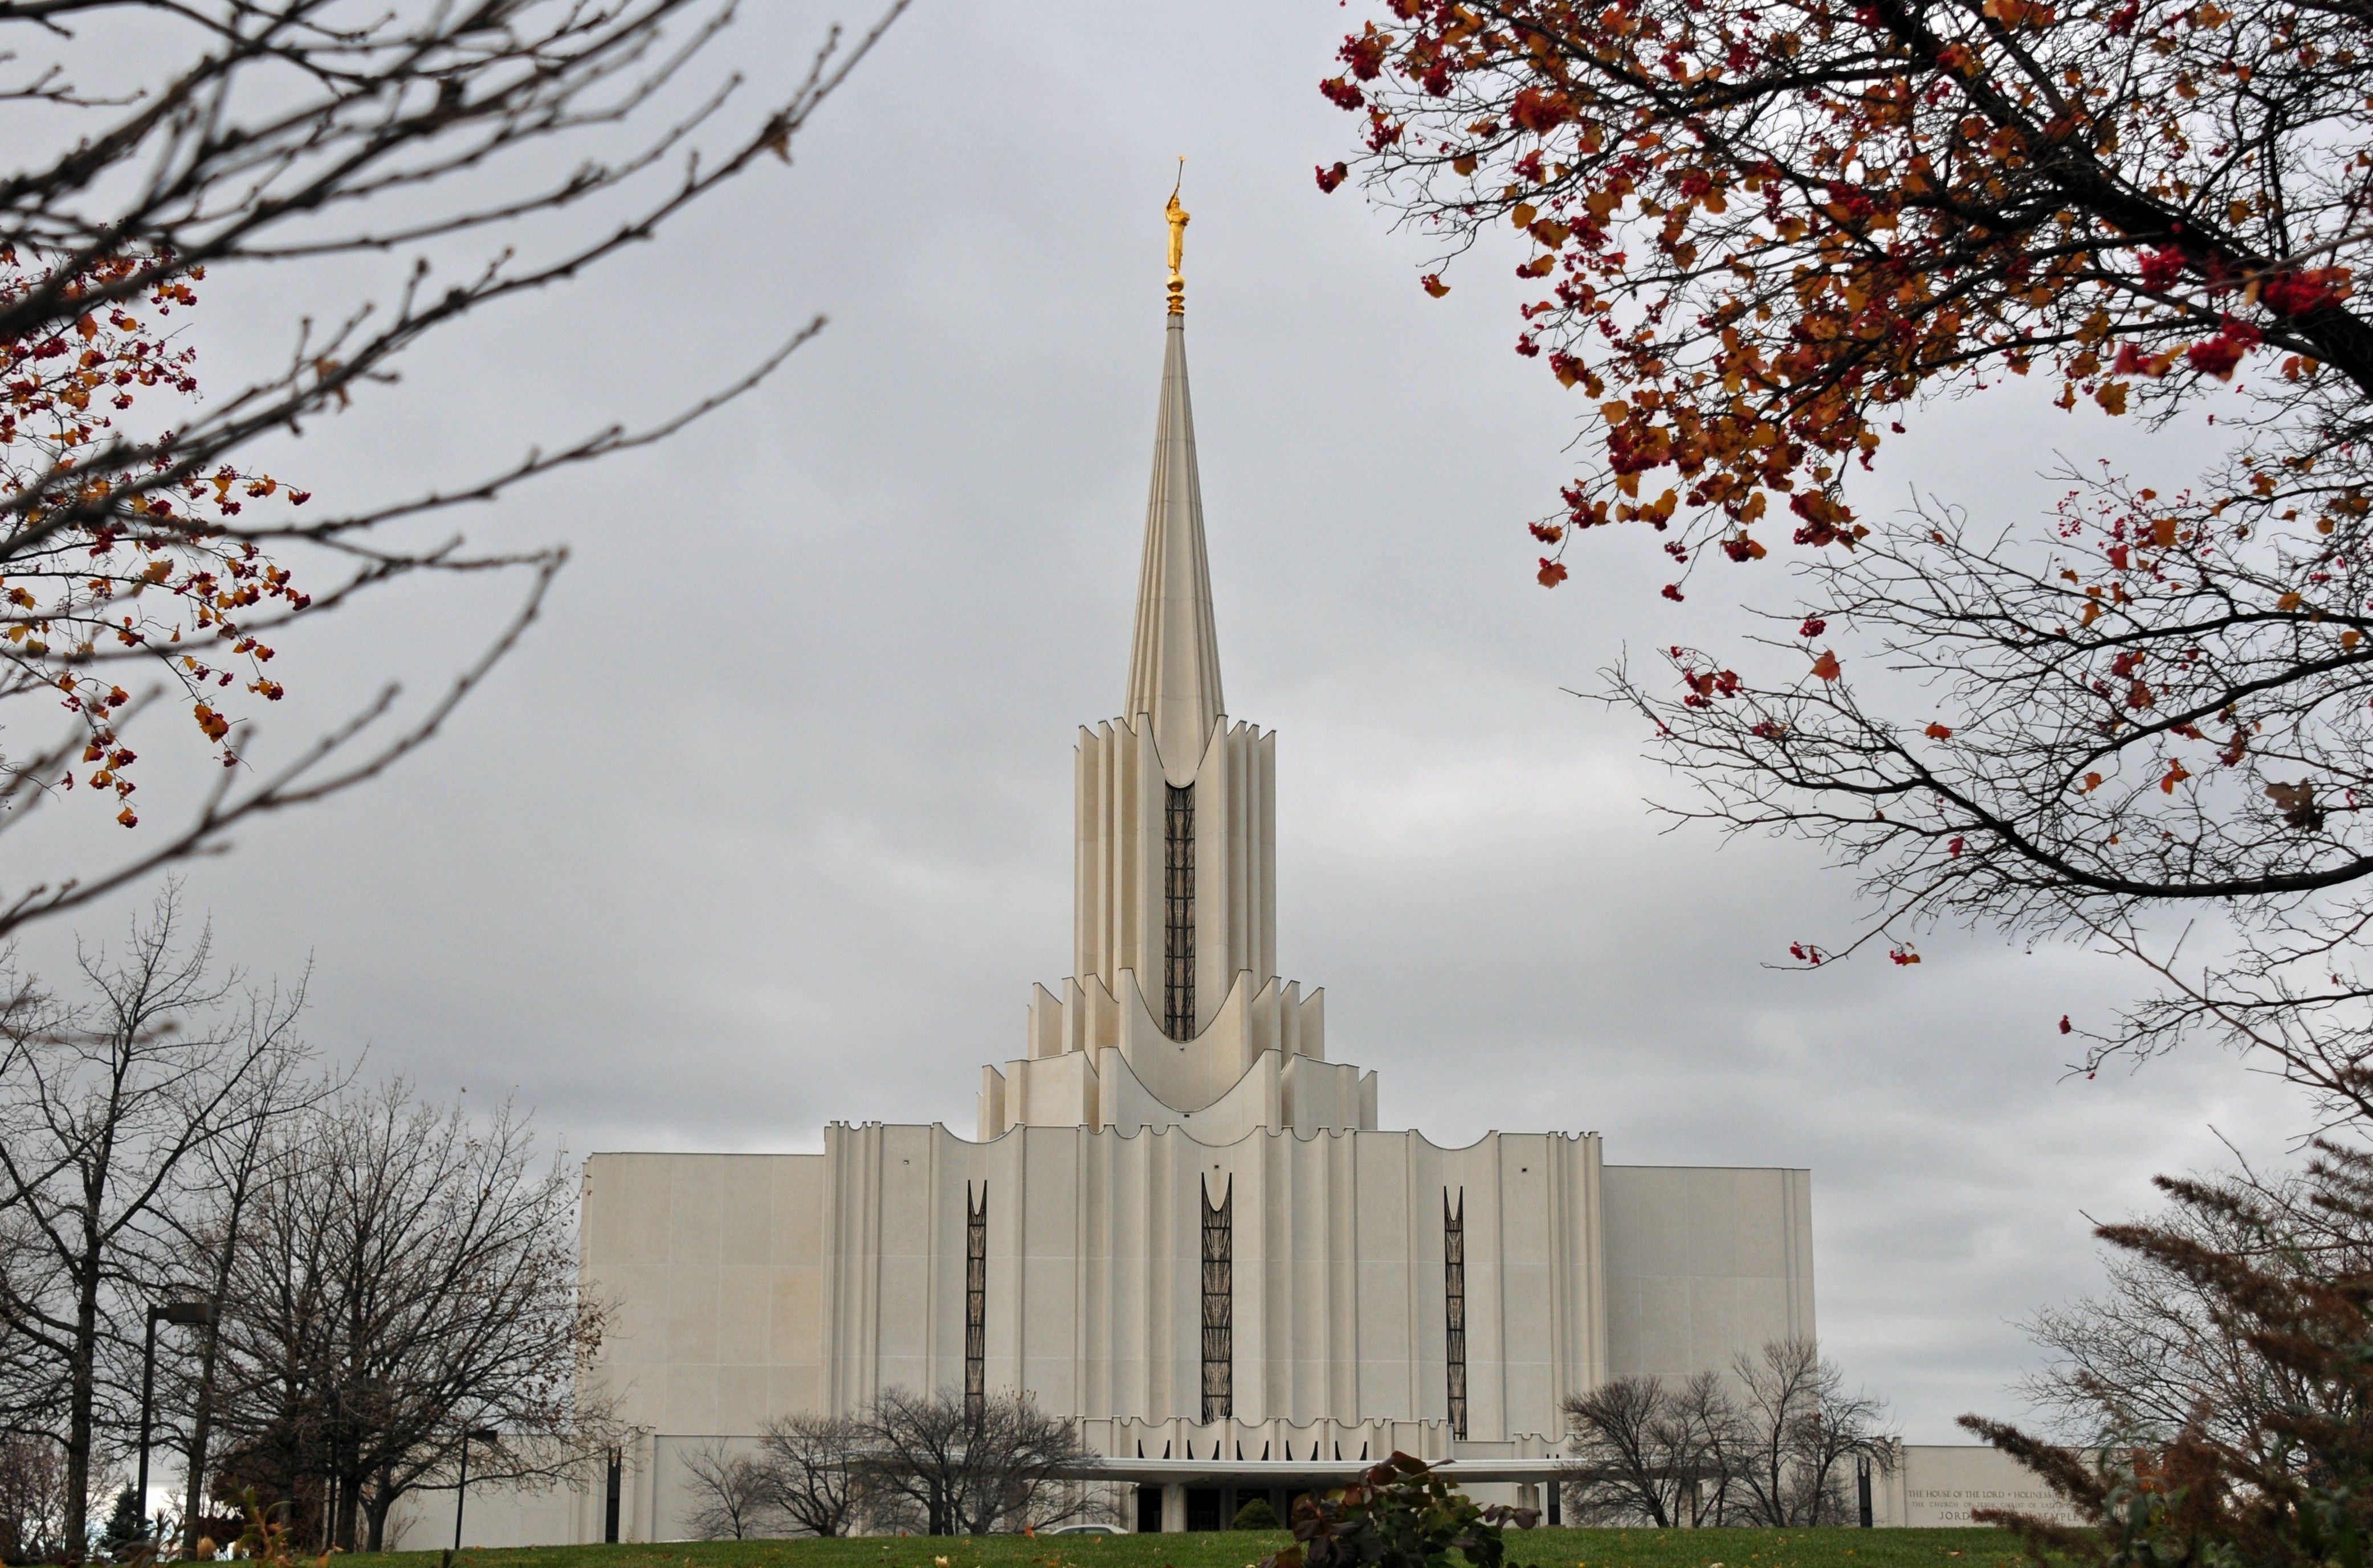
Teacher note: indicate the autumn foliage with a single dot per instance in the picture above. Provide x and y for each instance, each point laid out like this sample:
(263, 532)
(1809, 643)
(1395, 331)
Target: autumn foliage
(1763, 236)
(119, 555)
(1761, 232)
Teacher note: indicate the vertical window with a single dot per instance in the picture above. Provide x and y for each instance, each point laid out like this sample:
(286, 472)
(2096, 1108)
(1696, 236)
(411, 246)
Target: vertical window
(1454, 1279)
(975, 1298)
(1178, 915)
(1218, 1304)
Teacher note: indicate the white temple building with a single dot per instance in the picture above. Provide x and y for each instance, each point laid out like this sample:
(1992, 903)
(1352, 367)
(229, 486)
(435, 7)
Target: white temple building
(1178, 1219)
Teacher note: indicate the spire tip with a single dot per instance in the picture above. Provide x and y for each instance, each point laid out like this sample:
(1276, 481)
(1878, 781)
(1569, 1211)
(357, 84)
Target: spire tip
(1178, 219)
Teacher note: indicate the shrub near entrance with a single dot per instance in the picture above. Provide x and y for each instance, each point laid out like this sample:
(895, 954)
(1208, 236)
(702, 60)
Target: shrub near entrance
(1399, 1515)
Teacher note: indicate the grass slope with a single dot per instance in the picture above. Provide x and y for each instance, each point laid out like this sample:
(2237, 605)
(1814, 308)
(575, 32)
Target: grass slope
(1528, 1548)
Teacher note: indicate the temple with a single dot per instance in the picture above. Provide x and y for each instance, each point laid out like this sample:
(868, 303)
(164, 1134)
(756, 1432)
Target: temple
(1179, 1221)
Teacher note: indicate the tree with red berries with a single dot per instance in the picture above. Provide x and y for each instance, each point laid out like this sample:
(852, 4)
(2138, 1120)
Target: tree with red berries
(106, 563)
(1765, 234)
(145, 558)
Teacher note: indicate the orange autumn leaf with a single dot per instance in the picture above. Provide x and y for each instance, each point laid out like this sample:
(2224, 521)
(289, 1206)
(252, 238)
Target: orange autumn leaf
(1826, 666)
(1939, 732)
(2019, 13)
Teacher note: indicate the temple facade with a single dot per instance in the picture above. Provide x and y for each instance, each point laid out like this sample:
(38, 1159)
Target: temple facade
(1178, 1219)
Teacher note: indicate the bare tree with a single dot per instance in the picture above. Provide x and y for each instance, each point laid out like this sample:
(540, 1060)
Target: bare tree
(109, 1099)
(1642, 1453)
(1701, 1434)
(2275, 1483)
(208, 1225)
(1799, 1423)
(812, 1468)
(733, 1495)
(1620, 1472)
(970, 1466)
(502, 147)
(410, 1277)
(2157, 1351)
(2102, 734)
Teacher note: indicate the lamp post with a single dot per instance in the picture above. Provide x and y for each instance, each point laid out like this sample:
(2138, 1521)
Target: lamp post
(462, 1487)
(187, 1314)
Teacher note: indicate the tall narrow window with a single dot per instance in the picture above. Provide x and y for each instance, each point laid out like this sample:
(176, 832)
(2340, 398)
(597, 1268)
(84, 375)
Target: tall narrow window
(1178, 915)
(1454, 1279)
(1218, 1304)
(975, 1298)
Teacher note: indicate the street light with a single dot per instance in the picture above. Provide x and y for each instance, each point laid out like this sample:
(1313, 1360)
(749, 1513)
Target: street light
(183, 1314)
(462, 1487)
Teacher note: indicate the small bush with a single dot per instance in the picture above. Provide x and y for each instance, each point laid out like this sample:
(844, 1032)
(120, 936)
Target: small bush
(1255, 1514)
(1400, 1515)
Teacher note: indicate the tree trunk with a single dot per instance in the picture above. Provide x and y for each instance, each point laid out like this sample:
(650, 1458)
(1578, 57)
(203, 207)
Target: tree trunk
(82, 1397)
(202, 1415)
(375, 1514)
(201, 1421)
(350, 1488)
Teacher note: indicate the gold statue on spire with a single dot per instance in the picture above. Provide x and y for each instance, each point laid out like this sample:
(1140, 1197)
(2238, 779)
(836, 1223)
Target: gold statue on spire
(1178, 220)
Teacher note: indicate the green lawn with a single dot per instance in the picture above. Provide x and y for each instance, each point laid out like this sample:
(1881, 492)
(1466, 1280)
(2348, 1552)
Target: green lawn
(1529, 1549)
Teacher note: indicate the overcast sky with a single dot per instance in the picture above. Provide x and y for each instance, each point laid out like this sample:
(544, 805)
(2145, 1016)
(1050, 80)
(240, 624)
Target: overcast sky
(767, 823)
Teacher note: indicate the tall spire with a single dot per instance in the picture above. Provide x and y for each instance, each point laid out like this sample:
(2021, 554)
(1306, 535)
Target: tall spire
(1173, 665)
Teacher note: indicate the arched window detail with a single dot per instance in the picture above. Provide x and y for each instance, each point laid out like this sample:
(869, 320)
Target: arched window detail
(1178, 915)
(1218, 1304)
(1454, 1280)
(976, 1299)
